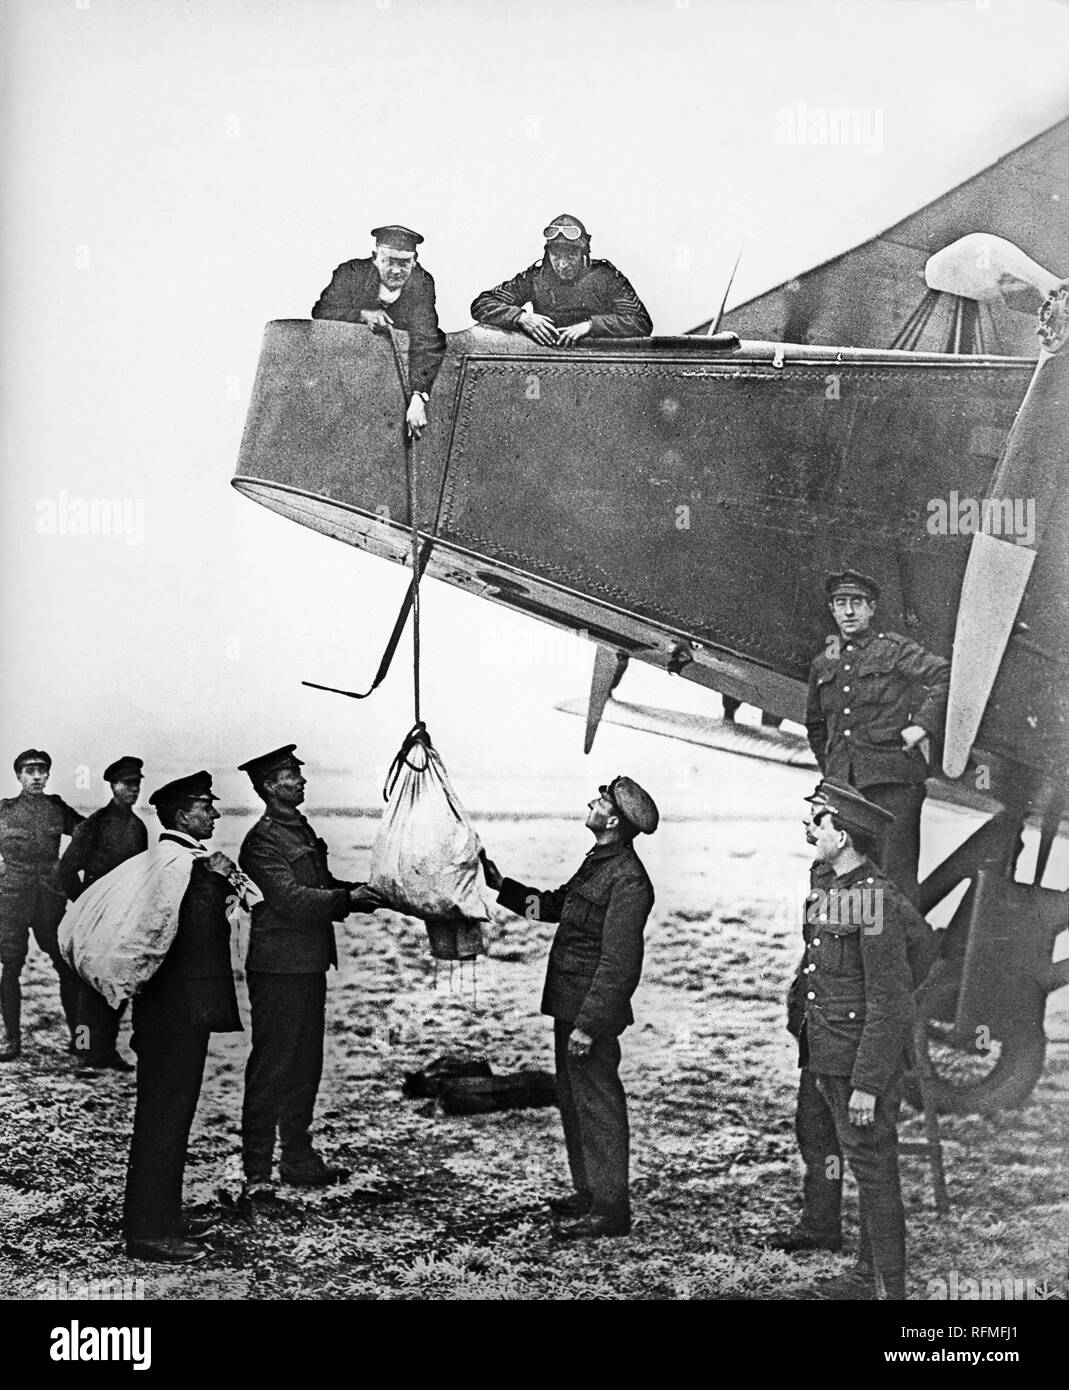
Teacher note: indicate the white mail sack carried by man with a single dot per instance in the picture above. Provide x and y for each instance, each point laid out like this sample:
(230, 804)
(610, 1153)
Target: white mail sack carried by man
(426, 855)
(118, 931)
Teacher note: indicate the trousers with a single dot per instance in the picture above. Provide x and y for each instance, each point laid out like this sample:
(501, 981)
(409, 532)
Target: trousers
(169, 1071)
(825, 1137)
(39, 910)
(98, 1023)
(284, 1067)
(593, 1110)
(899, 854)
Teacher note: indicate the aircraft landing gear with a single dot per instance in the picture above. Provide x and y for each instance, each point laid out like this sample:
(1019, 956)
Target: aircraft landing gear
(966, 1078)
(984, 999)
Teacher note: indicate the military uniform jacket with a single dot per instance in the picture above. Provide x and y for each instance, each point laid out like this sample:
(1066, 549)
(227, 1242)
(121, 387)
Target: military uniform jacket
(600, 294)
(355, 285)
(292, 931)
(852, 997)
(194, 986)
(861, 699)
(595, 962)
(31, 828)
(101, 843)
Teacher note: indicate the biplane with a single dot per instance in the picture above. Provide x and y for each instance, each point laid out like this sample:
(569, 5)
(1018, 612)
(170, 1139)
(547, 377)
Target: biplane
(678, 499)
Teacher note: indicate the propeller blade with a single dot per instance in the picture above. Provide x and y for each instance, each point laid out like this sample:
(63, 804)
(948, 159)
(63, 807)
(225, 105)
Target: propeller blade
(609, 666)
(996, 577)
(995, 581)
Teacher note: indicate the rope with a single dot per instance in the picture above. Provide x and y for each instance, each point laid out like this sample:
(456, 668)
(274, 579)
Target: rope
(417, 735)
(411, 483)
(418, 559)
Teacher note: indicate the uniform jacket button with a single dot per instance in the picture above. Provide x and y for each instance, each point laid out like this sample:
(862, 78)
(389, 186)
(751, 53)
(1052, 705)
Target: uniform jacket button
(852, 1014)
(811, 995)
(846, 690)
(816, 941)
(846, 733)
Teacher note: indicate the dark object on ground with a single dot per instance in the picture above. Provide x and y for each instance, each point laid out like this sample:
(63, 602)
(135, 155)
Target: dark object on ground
(428, 1081)
(168, 1250)
(480, 1095)
(592, 1228)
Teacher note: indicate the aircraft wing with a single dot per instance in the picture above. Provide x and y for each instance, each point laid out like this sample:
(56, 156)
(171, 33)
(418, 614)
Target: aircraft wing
(677, 500)
(875, 296)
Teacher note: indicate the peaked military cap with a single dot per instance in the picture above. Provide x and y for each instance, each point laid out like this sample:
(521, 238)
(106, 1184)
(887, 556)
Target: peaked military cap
(266, 763)
(400, 238)
(852, 582)
(851, 810)
(33, 757)
(633, 803)
(197, 784)
(124, 769)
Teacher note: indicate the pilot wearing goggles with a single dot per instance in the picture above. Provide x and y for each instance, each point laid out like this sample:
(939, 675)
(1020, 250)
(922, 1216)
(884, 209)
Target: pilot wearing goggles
(566, 296)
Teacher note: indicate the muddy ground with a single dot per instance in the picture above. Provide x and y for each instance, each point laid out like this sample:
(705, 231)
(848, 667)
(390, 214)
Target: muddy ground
(445, 1208)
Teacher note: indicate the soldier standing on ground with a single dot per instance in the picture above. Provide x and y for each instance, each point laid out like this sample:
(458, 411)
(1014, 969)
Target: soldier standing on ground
(851, 1006)
(291, 948)
(102, 842)
(31, 900)
(189, 997)
(595, 965)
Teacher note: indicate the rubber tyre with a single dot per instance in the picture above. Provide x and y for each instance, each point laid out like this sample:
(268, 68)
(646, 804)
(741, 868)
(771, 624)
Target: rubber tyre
(1007, 1085)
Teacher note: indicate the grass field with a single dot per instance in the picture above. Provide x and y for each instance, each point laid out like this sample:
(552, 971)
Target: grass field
(446, 1208)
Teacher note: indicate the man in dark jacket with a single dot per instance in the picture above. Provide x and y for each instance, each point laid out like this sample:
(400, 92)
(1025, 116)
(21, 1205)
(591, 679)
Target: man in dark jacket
(101, 843)
(874, 697)
(291, 947)
(595, 964)
(851, 1006)
(565, 296)
(189, 997)
(390, 288)
(31, 900)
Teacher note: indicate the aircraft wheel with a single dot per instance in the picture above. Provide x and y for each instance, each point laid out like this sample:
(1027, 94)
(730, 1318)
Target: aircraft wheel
(969, 1080)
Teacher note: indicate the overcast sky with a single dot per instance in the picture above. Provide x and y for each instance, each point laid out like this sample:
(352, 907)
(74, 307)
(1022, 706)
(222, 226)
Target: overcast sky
(177, 172)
